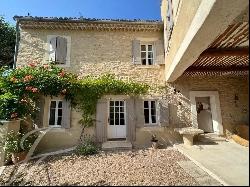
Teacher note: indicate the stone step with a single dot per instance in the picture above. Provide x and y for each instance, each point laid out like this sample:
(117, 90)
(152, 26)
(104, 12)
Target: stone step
(116, 145)
(211, 137)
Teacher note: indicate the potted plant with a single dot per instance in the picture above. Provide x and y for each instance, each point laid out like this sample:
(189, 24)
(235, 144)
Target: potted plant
(13, 148)
(154, 141)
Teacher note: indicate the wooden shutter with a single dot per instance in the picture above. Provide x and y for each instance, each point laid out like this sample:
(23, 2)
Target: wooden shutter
(101, 120)
(66, 114)
(52, 49)
(40, 116)
(61, 50)
(130, 111)
(163, 112)
(159, 52)
(139, 111)
(136, 52)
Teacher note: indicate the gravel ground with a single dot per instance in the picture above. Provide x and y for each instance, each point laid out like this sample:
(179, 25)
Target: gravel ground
(137, 167)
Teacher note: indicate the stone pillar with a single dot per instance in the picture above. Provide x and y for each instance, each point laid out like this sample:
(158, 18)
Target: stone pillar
(5, 128)
(188, 139)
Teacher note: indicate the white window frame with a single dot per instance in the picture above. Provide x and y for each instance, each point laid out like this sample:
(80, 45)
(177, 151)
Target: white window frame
(150, 115)
(147, 51)
(56, 113)
(49, 37)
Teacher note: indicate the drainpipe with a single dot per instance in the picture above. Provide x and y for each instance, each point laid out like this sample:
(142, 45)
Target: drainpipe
(17, 43)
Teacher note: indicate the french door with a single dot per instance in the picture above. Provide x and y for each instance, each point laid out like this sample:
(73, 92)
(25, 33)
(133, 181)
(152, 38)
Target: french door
(117, 119)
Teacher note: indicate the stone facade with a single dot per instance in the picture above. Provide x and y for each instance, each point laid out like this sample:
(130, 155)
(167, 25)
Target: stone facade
(94, 52)
(97, 52)
(233, 112)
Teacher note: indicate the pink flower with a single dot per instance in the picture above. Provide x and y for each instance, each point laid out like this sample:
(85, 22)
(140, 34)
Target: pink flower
(62, 73)
(27, 78)
(46, 66)
(32, 65)
(34, 90)
(64, 91)
(13, 115)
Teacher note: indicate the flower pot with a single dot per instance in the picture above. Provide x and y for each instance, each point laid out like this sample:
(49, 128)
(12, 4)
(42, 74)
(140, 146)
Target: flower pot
(17, 157)
(155, 144)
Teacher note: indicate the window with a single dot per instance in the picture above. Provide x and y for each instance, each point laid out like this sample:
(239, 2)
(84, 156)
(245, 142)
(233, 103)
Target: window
(150, 112)
(59, 48)
(55, 113)
(147, 55)
(117, 113)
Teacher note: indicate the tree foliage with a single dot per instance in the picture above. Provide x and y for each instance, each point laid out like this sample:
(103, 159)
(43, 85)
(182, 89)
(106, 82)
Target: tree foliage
(7, 43)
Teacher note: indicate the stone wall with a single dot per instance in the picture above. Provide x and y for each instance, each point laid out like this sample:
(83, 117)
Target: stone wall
(94, 52)
(232, 113)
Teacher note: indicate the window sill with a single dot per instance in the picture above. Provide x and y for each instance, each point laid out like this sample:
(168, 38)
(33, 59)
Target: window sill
(148, 66)
(57, 129)
(152, 128)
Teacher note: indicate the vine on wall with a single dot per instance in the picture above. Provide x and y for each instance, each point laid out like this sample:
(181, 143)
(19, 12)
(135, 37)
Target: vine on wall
(24, 86)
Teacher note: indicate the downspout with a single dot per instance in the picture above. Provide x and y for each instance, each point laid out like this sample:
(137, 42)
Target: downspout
(17, 43)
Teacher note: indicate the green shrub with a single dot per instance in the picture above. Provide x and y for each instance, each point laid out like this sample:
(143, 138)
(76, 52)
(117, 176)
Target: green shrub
(88, 147)
(13, 142)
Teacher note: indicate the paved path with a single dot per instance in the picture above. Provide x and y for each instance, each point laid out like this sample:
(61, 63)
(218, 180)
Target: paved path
(227, 162)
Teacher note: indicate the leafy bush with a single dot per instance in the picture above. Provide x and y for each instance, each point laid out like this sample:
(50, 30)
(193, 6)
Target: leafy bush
(13, 142)
(88, 147)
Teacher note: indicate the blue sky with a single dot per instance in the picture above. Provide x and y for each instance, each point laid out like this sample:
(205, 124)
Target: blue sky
(116, 9)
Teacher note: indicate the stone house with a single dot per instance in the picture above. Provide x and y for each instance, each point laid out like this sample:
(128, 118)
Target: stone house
(164, 53)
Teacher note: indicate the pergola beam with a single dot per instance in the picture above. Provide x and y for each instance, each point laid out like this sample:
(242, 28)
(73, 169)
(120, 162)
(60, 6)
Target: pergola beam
(217, 69)
(225, 52)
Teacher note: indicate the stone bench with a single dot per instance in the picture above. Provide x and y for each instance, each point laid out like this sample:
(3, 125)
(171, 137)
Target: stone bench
(188, 134)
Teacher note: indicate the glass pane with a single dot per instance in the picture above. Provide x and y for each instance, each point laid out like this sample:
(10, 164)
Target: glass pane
(150, 61)
(122, 122)
(143, 48)
(111, 116)
(153, 111)
(111, 122)
(59, 121)
(116, 109)
(60, 104)
(152, 104)
(150, 55)
(143, 61)
(145, 104)
(52, 117)
(53, 104)
(111, 103)
(121, 115)
(111, 109)
(117, 103)
(60, 112)
(116, 115)
(150, 48)
(117, 121)
(121, 109)
(146, 115)
(143, 54)
(153, 118)
(121, 103)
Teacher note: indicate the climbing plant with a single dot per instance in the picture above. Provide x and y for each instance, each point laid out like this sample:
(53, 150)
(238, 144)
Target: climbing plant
(26, 84)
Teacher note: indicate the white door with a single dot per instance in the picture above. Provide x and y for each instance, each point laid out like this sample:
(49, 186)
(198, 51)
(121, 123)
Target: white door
(117, 119)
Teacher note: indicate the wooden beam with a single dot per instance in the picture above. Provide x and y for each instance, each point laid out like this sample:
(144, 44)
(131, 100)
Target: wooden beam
(217, 69)
(225, 52)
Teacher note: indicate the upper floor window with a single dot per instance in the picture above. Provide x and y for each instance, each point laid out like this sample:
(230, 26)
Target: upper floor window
(147, 54)
(59, 49)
